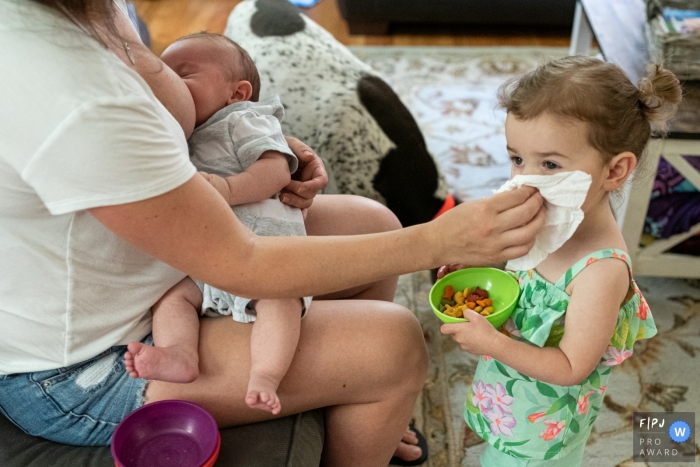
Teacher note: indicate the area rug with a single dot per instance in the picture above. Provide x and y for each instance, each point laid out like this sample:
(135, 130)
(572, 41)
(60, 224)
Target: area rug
(452, 94)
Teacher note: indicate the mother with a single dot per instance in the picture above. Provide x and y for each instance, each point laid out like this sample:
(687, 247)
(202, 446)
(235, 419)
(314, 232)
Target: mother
(101, 213)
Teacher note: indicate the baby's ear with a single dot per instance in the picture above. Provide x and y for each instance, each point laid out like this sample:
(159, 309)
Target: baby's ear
(619, 169)
(240, 91)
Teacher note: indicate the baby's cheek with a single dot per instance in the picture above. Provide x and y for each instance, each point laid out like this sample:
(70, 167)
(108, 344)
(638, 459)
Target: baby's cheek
(207, 103)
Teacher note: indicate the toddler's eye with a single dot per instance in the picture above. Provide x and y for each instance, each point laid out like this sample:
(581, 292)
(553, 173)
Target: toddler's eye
(551, 165)
(517, 161)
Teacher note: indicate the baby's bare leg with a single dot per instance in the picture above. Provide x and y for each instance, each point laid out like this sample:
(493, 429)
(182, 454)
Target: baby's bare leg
(273, 343)
(175, 356)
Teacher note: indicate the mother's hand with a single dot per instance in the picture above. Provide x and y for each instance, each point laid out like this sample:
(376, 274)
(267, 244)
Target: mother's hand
(490, 230)
(310, 178)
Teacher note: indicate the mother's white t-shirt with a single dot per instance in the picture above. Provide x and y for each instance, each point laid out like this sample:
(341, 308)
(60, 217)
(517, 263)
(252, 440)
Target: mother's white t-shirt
(78, 129)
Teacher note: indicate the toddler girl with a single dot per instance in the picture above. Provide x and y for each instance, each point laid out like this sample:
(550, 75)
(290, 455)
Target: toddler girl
(540, 382)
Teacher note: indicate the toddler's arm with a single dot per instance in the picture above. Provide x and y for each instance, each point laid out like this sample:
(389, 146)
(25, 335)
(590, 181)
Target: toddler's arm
(265, 177)
(590, 322)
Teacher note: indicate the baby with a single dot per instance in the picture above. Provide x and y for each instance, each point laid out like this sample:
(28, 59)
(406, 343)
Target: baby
(238, 146)
(540, 382)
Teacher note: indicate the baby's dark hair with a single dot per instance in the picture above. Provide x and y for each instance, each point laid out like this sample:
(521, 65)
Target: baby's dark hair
(620, 116)
(238, 66)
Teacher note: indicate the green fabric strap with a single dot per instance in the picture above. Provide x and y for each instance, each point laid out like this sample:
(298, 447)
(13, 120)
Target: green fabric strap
(581, 264)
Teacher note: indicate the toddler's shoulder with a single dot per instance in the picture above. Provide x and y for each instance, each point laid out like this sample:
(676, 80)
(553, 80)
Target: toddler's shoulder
(603, 272)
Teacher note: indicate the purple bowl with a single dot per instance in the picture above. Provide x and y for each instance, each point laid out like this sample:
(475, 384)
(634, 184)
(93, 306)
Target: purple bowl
(170, 433)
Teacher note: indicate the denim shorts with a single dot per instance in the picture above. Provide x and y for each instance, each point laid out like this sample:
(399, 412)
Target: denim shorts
(80, 404)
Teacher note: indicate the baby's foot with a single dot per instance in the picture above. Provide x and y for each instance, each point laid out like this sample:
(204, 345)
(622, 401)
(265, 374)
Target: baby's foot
(173, 364)
(262, 393)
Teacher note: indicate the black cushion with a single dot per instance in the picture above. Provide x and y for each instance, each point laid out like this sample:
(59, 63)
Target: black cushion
(294, 441)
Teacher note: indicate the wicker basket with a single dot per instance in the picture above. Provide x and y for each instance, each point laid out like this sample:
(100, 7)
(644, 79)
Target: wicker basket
(679, 53)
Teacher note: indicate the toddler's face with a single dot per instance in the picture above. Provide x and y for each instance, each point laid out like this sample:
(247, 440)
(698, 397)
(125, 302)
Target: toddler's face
(546, 145)
(196, 62)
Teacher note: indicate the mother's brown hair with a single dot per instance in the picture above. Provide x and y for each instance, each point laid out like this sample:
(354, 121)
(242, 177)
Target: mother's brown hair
(84, 13)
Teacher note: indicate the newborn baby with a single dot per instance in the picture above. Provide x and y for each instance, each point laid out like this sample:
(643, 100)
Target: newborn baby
(238, 146)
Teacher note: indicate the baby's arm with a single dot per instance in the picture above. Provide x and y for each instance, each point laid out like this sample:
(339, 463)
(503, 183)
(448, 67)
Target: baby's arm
(265, 177)
(590, 322)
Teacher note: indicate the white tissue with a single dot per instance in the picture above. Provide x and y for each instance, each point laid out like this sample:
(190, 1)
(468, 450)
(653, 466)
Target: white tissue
(564, 193)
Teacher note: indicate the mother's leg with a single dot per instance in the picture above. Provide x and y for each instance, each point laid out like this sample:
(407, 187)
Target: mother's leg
(364, 360)
(353, 215)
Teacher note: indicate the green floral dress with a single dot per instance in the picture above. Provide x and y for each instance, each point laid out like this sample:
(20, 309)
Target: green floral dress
(529, 419)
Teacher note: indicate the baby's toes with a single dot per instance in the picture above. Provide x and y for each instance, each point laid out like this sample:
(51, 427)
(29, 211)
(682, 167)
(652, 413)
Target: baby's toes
(252, 398)
(276, 407)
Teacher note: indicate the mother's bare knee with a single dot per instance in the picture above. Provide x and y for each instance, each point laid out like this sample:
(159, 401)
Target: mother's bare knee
(382, 217)
(406, 352)
(374, 216)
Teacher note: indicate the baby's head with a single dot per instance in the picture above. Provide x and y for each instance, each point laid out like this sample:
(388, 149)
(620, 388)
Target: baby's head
(216, 70)
(580, 113)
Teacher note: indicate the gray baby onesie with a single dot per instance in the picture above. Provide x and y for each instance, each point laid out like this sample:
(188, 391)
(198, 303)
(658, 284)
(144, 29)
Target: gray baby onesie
(227, 144)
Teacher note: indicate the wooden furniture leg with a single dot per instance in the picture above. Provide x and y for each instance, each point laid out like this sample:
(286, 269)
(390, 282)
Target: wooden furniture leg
(653, 260)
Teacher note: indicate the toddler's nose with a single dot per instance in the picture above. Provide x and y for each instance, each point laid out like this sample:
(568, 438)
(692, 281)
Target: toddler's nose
(530, 170)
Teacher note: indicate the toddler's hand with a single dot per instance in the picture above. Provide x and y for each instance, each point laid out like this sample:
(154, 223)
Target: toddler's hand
(448, 268)
(219, 183)
(476, 336)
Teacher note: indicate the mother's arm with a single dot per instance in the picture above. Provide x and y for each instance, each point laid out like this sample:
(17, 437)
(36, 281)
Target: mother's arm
(195, 231)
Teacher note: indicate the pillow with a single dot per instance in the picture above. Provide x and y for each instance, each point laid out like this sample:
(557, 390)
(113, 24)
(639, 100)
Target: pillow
(341, 108)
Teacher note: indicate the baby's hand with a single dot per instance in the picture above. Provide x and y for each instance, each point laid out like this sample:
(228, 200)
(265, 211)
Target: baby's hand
(219, 183)
(477, 336)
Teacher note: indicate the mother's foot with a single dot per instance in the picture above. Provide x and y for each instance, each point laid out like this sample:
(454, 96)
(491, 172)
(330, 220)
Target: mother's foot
(408, 449)
(407, 452)
(173, 364)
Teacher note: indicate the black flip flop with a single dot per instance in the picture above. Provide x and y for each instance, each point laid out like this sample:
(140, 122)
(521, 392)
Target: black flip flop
(422, 444)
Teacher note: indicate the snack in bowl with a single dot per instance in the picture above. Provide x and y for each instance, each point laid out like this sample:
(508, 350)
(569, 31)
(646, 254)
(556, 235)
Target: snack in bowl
(454, 303)
(488, 291)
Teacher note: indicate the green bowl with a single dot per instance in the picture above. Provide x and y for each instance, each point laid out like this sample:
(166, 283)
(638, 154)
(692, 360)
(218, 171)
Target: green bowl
(506, 292)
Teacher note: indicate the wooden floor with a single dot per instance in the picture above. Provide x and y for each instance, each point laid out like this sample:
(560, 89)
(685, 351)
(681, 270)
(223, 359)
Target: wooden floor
(169, 19)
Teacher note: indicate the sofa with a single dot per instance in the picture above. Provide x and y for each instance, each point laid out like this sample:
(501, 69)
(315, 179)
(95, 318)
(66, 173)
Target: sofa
(293, 441)
(376, 16)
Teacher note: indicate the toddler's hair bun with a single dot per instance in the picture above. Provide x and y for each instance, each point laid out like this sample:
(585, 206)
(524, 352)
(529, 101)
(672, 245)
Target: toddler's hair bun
(659, 95)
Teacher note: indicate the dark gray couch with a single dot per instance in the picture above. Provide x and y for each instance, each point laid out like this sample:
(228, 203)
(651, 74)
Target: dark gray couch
(375, 16)
(294, 441)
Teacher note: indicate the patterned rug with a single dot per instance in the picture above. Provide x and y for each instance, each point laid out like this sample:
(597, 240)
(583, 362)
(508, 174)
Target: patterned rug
(451, 92)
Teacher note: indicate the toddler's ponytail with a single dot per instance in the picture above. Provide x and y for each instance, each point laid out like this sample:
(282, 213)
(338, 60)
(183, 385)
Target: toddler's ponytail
(659, 96)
